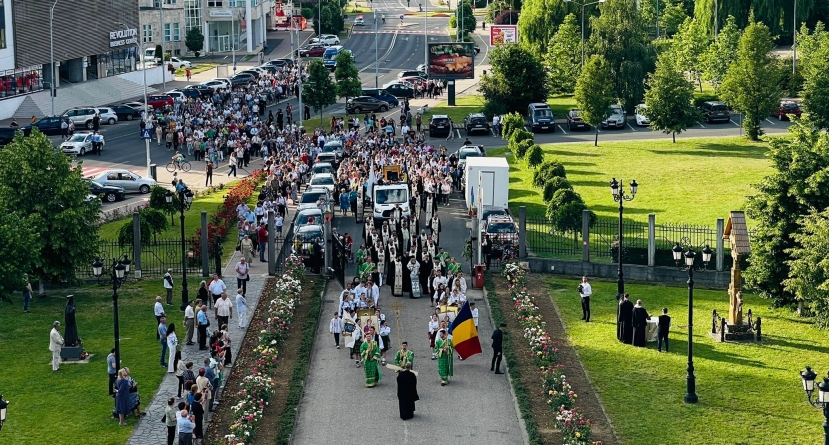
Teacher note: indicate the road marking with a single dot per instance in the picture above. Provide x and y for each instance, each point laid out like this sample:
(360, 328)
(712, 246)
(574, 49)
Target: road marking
(734, 122)
(631, 127)
(391, 47)
(770, 121)
(561, 128)
(700, 124)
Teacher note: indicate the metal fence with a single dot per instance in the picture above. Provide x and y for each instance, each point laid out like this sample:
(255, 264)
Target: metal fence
(156, 257)
(543, 240)
(339, 259)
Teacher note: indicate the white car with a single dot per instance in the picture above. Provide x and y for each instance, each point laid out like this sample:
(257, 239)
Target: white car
(129, 181)
(325, 180)
(82, 116)
(641, 119)
(178, 63)
(80, 144)
(176, 95)
(616, 117)
(329, 39)
(217, 84)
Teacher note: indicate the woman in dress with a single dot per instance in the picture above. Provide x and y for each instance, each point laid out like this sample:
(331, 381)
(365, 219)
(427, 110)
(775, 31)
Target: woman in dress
(181, 367)
(247, 248)
(172, 344)
(122, 396)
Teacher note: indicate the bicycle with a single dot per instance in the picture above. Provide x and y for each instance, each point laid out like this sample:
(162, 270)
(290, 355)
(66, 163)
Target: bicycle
(184, 165)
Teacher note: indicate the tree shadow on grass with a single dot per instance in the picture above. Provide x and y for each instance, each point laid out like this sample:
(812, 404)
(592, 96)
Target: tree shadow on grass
(628, 210)
(572, 153)
(776, 340)
(588, 183)
(586, 173)
(722, 150)
(709, 352)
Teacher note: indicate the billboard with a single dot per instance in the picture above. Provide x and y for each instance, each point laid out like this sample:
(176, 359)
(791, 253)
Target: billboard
(501, 34)
(452, 60)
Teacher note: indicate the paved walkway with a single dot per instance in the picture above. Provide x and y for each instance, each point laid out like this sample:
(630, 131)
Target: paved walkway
(476, 407)
(149, 430)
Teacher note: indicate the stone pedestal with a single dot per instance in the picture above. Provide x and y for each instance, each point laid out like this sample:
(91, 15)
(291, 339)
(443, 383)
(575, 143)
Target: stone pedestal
(738, 332)
(71, 352)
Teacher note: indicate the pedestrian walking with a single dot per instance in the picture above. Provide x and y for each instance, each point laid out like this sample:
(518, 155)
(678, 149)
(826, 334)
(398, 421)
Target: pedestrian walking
(208, 172)
(158, 310)
(336, 327)
(232, 163)
(241, 309)
(497, 348)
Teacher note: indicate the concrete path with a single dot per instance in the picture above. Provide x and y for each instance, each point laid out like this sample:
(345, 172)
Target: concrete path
(476, 407)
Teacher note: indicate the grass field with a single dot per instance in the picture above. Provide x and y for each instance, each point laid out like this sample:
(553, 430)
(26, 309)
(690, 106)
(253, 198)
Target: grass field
(77, 394)
(198, 68)
(694, 181)
(463, 106)
(749, 393)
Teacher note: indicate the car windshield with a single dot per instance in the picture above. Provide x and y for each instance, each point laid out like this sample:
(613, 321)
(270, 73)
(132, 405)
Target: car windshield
(391, 196)
(329, 56)
(502, 227)
(440, 121)
(543, 113)
(612, 111)
(304, 218)
(310, 197)
(470, 154)
(308, 236)
(78, 138)
(324, 180)
(719, 108)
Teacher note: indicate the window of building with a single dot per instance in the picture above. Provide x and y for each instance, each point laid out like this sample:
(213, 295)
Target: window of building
(167, 32)
(192, 15)
(215, 3)
(146, 33)
(176, 32)
(156, 3)
(21, 81)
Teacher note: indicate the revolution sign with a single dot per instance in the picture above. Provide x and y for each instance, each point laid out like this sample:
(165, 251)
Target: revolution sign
(123, 37)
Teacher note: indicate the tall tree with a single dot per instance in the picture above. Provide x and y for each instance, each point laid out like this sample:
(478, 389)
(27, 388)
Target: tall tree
(517, 78)
(38, 181)
(704, 12)
(620, 36)
(688, 47)
(194, 40)
(797, 184)
(752, 85)
(465, 19)
(721, 53)
(539, 20)
(816, 89)
(808, 280)
(563, 59)
(19, 247)
(671, 14)
(594, 92)
(668, 98)
(319, 91)
(348, 76)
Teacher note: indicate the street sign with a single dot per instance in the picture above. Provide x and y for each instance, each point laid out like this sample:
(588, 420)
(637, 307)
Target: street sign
(146, 134)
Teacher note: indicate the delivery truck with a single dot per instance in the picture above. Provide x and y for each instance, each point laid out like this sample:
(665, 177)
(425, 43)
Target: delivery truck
(486, 182)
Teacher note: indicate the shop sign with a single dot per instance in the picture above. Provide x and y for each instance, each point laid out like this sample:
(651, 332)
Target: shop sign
(123, 37)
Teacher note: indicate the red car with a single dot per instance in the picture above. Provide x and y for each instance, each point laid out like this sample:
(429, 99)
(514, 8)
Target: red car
(787, 107)
(158, 101)
(312, 50)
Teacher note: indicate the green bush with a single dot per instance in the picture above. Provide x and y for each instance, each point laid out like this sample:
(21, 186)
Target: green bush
(517, 136)
(491, 109)
(522, 148)
(535, 156)
(564, 210)
(453, 22)
(547, 171)
(553, 185)
(152, 222)
(510, 123)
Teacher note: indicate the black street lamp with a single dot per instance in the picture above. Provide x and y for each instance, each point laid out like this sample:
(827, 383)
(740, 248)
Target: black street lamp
(619, 195)
(185, 200)
(688, 264)
(822, 401)
(120, 269)
(4, 405)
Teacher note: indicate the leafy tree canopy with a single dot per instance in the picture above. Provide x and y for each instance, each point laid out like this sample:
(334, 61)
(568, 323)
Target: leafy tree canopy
(517, 78)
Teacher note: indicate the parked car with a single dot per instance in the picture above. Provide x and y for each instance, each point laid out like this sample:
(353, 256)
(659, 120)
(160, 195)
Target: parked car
(46, 125)
(357, 105)
(175, 94)
(476, 122)
(787, 107)
(269, 68)
(216, 84)
(383, 95)
(279, 63)
(129, 181)
(80, 143)
(242, 79)
(439, 125)
(325, 180)
(714, 111)
(359, 21)
(203, 90)
(422, 68)
(640, 114)
(159, 101)
(82, 116)
(123, 112)
(574, 120)
(310, 197)
(179, 62)
(189, 92)
(255, 72)
(503, 233)
(7, 135)
(616, 117)
(399, 89)
(137, 105)
(540, 117)
(106, 193)
(412, 73)
(326, 38)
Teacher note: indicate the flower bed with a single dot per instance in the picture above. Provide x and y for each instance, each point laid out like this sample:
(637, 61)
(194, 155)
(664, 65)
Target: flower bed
(257, 387)
(559, 395)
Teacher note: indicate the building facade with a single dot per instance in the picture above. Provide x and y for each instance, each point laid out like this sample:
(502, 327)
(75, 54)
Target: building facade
(162, 23)
(83, 48)
(235, 25)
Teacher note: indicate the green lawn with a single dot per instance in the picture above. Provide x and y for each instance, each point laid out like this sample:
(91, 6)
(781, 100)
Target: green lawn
(77, 393)
(694, 181)
(198, 68)
(748, 393)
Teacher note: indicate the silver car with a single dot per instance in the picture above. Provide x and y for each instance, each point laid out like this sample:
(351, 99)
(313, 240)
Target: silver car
(129, 181)
(616, 117)
(306, 217)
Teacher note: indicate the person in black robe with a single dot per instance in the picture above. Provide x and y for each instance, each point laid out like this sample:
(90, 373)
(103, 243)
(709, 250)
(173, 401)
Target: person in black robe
(425, 271)
(407, 392)
(70, 338)
(640, 324)
(625, 320)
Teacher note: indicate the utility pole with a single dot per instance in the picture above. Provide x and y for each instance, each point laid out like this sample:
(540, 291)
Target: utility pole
(52, 87)
(376, 59)
(163, 62)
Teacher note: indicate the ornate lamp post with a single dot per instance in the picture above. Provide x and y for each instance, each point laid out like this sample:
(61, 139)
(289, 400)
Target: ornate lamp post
(185, 200)
(808, 376)
(118, 276)
(686, 262)
(619, 195)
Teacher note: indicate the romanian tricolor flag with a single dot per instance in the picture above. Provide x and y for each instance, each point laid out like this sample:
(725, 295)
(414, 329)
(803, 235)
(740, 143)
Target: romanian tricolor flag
(464, 333)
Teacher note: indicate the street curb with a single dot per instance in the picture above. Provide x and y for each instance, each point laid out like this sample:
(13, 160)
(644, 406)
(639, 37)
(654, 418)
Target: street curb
(524, 435)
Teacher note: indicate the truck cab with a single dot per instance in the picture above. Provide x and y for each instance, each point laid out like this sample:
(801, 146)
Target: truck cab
(385, 197)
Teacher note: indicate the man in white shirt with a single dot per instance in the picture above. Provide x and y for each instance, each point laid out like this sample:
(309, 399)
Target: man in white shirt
(474, 314)
(375, 294)
(336, 327)
(585, 291)
(55, 343)
(224, 310)
(241, 309)
(345, 293)
(158, 310)
(189, 322)
(217, 288)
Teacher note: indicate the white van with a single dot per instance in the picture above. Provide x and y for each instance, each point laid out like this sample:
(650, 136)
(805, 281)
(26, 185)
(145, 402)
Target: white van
(149, 55)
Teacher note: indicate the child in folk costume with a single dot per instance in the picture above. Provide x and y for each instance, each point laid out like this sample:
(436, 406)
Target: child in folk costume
(357, 334)
(385, 332)
(434, 325)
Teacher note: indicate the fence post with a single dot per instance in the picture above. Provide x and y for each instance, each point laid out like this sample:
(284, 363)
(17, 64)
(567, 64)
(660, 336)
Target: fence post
(651, 239)
(585, 236)
(205, 253)
(272, 243)
(522, 229)
(136, 243)
(720, 248)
